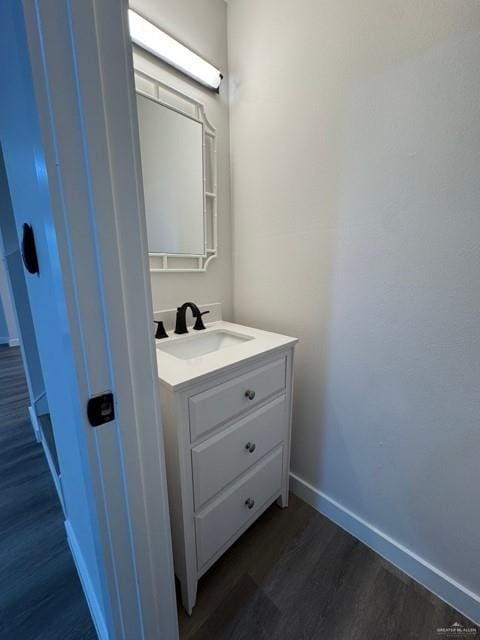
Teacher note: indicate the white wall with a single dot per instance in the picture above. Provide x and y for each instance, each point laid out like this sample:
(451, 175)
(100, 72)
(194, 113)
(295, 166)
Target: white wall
(4, 338)
(355, 133)
(200, 25)
(14, 282)
(8, 323)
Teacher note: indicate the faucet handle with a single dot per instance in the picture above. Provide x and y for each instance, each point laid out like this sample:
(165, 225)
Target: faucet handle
(199, 322)
(160, 333)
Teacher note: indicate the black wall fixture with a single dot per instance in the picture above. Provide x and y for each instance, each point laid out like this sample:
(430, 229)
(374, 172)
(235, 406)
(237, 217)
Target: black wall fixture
(29, 250)
(101, 409)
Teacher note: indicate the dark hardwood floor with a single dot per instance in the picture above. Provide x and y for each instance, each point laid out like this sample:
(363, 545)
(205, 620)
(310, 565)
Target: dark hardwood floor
(294, 575)
(40, 593)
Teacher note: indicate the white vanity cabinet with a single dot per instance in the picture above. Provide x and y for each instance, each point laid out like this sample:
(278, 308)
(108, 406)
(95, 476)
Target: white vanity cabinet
(227, 441)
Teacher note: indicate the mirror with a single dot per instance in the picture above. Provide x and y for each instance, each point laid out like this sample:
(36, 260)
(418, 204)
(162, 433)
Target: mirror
(171, 151)
(178, 149)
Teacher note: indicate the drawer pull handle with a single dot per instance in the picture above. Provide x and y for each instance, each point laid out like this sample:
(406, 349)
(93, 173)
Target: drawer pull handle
(250, 447)
(250, 503)
(250, 394)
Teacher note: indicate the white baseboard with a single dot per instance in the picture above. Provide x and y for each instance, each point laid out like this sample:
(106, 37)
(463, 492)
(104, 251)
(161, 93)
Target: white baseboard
(406, 560)
(92, 601)
(12, 342)
(36, 427)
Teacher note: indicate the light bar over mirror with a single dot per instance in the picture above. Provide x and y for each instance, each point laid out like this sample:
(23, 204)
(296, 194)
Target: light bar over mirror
(160, 44)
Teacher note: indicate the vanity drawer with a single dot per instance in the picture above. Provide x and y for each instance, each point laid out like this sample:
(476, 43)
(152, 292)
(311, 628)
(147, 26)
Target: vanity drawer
(219, 522)
(224, 457)
(228, 400)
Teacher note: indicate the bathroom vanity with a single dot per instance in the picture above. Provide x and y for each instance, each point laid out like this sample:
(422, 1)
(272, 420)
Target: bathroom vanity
(226, 395)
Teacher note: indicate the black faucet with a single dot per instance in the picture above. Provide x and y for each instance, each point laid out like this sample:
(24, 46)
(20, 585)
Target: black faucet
(181, 322)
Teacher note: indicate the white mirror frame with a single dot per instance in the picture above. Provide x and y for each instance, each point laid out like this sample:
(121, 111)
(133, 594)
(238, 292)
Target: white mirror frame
(153, 88)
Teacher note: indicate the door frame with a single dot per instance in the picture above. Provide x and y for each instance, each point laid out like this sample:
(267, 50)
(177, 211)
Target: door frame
(70, 143)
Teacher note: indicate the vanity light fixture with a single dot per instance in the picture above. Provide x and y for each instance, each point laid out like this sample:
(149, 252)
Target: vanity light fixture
(160, 44)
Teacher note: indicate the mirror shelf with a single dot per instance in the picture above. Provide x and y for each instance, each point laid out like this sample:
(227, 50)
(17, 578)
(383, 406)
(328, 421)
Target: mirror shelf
(166, 96)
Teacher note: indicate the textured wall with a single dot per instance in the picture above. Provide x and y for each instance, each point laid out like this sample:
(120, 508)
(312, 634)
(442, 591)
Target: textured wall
(355, 134)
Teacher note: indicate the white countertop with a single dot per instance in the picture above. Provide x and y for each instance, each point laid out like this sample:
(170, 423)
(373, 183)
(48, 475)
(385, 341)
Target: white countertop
(176, 373)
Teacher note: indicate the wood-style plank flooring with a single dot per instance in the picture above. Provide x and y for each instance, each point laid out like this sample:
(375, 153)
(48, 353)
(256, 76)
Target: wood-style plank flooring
(294, 575)
(40, 593)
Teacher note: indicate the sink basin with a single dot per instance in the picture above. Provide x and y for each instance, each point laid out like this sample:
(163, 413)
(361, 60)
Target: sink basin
(202, 343)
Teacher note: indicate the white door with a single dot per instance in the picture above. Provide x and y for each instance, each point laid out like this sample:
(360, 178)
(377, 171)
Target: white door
(70, 149)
